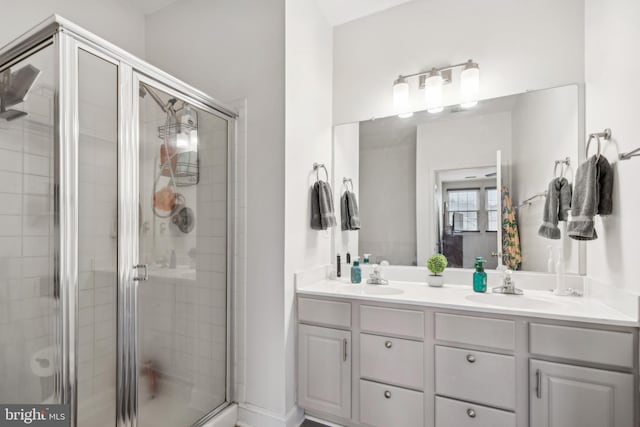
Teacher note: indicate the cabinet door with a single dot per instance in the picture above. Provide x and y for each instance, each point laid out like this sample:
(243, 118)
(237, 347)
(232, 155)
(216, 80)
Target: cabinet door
(571, 396)
(324, 370)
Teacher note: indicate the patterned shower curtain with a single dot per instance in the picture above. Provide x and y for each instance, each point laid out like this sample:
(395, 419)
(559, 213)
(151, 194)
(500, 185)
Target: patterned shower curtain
(511, 255)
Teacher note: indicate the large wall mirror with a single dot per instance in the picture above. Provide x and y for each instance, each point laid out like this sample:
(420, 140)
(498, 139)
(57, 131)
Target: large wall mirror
(463, 182)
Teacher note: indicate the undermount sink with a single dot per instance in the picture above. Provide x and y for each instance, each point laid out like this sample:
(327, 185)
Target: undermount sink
(381, 290)
(511, 301)
(371, 289)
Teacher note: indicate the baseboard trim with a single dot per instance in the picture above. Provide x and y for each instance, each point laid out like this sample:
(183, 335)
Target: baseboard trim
(254, 416)
(323, 422)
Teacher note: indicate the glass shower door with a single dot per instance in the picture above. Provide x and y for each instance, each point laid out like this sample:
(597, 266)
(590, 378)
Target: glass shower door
(29, 300)
(182, 306)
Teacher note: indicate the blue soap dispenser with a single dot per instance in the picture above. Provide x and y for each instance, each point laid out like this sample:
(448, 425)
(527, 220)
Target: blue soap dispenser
(480, 276)
(356, 272)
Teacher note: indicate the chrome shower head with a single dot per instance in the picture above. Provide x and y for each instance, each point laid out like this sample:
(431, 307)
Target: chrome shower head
(9, 115)
(14, 88)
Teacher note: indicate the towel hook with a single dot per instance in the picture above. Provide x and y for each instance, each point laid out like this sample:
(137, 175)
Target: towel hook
(564, 162)
(347, 181)
(316, 167)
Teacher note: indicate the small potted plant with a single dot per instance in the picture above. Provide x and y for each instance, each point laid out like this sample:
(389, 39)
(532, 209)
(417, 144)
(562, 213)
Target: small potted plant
(436, 265)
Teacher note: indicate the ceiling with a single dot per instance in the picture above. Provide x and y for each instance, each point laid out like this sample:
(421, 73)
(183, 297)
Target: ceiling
(150, 6)
(336, 11)
(340, 11)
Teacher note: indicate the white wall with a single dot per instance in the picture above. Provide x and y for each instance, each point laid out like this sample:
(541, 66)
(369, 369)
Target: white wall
(388, 190)
(612, 88)
(234, 49)
(519, 44)
(445, 145)
(114, 20)
(545, 128)
(308, 139)
(346, 164)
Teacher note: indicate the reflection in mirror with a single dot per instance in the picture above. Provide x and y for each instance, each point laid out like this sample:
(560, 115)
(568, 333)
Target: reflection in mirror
(466, 201)
(431, 183)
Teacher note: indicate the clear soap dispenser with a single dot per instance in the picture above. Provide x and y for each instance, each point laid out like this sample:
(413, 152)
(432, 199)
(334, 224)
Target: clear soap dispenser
(561, 280)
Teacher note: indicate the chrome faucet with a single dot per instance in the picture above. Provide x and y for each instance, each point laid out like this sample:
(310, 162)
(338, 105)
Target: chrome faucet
(375, 278)
(508, 286)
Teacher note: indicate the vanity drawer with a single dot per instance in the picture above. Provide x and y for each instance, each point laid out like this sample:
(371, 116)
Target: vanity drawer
(477, 376)
(588, 345)
(331, 313)
(392, 360)
(386, 406)
(454, 413)
(482, 331)
(392, 321)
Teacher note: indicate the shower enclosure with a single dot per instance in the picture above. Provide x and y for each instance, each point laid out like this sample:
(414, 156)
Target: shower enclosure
(116, 240)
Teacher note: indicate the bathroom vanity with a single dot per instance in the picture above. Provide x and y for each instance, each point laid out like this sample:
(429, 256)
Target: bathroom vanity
(410, 355)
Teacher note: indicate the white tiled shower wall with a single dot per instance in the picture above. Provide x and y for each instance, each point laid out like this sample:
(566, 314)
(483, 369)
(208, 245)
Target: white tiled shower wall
(26, 305)
(97, 240)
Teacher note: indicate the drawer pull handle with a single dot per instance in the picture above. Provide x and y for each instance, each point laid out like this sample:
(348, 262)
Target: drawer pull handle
(387, 394)
(538, 384)
(471, 358)
(471, 413)
(388, 344)
(344, 349)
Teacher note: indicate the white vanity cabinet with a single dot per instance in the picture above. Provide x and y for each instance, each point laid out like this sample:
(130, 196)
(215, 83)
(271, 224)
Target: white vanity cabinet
(324, 357)
(324, 381)
(376, 364)
(573, 396)
(567, 395)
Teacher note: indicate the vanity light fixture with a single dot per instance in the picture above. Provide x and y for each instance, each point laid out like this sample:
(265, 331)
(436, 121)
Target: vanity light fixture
(432, 82)
(433, 91)
(470, 84)
(401, 97)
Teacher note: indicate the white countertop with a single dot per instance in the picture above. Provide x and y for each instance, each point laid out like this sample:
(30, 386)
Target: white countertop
(534, 303)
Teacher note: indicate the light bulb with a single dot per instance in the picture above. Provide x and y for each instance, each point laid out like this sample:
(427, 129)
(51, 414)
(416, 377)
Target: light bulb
(470, 84)
(401, 97)
(433, 91)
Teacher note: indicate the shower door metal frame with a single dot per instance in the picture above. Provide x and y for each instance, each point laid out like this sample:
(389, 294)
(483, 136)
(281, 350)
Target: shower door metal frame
(133, 153)
(68, 39)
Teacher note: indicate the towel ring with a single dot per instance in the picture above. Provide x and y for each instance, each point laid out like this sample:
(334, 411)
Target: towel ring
(555, 170)
(316, 167)
(586, 152)
(564, 162)
(347, 181)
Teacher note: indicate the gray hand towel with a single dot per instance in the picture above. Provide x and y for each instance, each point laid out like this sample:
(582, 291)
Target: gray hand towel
(354, 214)
(592, 196)
(605, 186)
(556, 208)
(322, 216)
(350, 218)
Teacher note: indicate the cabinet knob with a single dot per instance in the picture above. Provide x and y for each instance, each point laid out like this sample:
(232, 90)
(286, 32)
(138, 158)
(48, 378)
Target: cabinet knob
(471, 413)
(387, 394)
(471, 358)
(388, 344)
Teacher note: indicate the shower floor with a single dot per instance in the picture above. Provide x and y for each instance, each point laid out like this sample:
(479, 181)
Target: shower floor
(163, 411)
(175, 405)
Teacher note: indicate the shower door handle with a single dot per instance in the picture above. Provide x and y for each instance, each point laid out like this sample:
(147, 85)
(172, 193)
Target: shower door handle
(145, 272)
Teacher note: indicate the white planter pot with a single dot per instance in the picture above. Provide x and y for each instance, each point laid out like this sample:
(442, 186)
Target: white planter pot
(435, 281)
